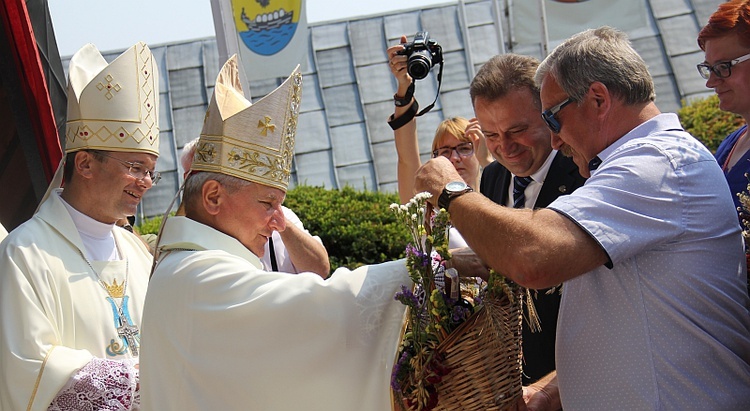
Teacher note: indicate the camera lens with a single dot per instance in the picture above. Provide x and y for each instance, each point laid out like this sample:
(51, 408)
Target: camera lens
(419, 64)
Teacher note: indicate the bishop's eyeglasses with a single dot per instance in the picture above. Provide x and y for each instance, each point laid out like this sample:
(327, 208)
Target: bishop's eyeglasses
(137, 170)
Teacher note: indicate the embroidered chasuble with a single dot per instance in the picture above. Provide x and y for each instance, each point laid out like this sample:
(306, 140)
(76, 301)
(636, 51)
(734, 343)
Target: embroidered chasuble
(219, 333)
(55, 316)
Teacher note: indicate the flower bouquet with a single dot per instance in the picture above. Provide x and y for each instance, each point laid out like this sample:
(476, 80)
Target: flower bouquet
(461, 345)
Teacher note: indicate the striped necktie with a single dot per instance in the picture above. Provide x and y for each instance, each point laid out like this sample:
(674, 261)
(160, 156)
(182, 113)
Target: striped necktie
(519, 187)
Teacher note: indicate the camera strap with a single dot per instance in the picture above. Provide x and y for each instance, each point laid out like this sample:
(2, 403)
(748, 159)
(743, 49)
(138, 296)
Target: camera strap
(397, 123)
(440, 83)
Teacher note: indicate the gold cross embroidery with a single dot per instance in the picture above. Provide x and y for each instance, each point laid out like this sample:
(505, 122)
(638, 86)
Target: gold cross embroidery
(109, 87)
(265, 126)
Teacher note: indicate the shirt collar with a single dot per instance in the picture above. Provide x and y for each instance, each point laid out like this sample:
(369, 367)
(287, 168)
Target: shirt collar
(660, 122)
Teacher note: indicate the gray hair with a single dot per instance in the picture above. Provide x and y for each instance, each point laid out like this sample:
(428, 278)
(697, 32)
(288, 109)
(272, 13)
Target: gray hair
(188, 152)
(195, 181)
(505, 73)
(604, 55)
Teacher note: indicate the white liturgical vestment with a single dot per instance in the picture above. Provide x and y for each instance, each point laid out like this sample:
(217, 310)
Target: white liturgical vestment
(220, 333)
(55, 317)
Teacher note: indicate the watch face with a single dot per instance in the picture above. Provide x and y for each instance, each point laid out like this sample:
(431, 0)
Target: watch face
(454, 186)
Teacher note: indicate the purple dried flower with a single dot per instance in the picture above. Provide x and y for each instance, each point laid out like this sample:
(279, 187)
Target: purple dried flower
(406, 297)
(460, 313)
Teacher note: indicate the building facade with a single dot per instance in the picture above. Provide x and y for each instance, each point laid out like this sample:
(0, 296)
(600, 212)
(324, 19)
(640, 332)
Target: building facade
(343, 138)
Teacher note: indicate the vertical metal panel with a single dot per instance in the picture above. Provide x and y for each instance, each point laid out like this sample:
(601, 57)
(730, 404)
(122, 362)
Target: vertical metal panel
(329, 36)
(676, 31)
(376, 83)
(188, 123)
(377, 121)
(187, 87)
(367, 41)
(668, 8)
(442, 24)
(455, 74)
(311, 97)
(385, 162)
(313, 169)
(312, 132)
(358, 176)
(350, 144)
(687, 74)
(482, 51)
(334, 67)
(185, 55)
(342, 105)
(401, 24)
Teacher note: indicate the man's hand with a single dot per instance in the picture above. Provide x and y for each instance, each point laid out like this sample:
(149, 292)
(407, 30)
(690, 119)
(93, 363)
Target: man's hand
(434, 175)
(468, 264)
(474, 132)
(543, 395)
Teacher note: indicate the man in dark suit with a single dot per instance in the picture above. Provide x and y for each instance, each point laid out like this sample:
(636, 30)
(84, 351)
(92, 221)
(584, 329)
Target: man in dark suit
(528, 173)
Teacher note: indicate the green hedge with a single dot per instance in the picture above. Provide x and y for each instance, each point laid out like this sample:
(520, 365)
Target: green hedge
(357, 227)
(703, 119)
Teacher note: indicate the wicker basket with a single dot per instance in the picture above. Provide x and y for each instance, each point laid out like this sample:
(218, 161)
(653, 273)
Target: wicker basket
(484, 355)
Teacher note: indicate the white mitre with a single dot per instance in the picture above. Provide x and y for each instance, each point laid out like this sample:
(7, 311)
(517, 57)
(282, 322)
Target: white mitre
(254, 142)
(113, 107)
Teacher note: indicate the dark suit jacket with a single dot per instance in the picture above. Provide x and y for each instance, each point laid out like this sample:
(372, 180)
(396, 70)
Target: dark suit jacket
(562, 178)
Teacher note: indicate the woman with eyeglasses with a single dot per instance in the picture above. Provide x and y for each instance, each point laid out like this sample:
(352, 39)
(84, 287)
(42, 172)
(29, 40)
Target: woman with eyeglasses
(458, 139)
(726, 42)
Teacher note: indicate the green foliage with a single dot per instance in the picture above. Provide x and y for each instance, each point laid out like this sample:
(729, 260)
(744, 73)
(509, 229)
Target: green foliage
(357, 227)
(149, 226)
(703, 119)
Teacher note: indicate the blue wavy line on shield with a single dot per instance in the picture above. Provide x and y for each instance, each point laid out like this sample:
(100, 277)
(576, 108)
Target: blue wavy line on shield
(269, 42)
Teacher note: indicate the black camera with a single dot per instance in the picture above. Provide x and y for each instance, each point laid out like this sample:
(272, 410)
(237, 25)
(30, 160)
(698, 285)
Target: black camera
(423, 53)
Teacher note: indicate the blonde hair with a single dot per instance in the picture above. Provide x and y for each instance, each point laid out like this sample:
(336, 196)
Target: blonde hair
(455, 126)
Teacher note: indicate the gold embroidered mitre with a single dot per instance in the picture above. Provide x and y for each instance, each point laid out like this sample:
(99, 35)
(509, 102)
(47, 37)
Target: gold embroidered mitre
(113, 107)
(254, 142)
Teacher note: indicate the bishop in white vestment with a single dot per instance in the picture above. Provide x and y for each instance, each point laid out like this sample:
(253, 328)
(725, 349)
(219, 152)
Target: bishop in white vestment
(219, 332)
(72, 283)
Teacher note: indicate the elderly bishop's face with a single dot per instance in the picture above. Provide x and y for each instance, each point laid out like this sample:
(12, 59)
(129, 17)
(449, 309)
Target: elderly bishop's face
(251, 214)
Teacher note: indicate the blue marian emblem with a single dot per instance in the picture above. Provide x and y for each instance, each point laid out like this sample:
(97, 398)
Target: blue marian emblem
(130, 336)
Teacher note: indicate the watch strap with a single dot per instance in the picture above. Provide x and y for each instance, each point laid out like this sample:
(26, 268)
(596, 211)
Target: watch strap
(406, 99)
(445, 198)
(397, 123)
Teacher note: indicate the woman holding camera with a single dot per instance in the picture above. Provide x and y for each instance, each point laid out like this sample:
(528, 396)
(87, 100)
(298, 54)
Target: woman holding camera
(458, 139)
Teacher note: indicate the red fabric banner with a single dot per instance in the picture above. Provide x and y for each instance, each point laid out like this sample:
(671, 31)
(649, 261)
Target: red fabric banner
(29, 67)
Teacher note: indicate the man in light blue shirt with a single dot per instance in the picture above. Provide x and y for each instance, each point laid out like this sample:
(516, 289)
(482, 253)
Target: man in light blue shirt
(654, 313)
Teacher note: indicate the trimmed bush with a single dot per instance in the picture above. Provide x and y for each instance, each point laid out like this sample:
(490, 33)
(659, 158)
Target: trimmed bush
(705, 121)
(357, 227)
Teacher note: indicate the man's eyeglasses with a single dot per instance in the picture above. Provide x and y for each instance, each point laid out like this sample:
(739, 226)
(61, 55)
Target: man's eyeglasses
(549, 115)
(137, 170)
(465, 149)
(722, 69)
